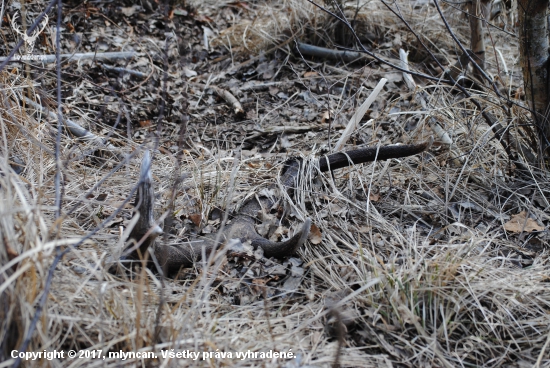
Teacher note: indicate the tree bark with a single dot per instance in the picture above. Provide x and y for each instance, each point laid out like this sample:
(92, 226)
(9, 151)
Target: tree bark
(534, 58)
(479, 14)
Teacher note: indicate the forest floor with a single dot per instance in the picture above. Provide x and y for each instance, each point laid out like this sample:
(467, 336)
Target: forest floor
(438, 259)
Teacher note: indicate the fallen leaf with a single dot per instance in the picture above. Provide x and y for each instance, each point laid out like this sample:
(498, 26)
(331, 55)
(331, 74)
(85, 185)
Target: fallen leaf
(254, 165)
(365, 229)
(260, 282)
(189, 73)
(130, 10)
(196, 218)
(145, 123)
(374, 197)
(181, 12)
(208, 229)
(521, 223)
(315, 236)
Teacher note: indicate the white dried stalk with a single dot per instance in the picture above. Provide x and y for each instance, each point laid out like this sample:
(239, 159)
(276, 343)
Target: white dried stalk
(356, 118)
(404, 58)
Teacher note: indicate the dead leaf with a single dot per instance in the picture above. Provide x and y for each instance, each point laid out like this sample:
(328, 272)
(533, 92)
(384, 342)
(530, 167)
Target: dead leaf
(254, 165)
(181, 12)
(12, 253)
(208, 229)
(260, 282)
(521, 223)
(315, 236)
(130, 10)
(196, 218)
(145, 123)
(325, 117)
(374, 197)
(273, 91)
(394, 77)
(365, 229)
(189, 73)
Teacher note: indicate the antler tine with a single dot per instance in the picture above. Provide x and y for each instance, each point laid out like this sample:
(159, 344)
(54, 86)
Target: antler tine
(45, 23)
(145, 230)
(15, 26)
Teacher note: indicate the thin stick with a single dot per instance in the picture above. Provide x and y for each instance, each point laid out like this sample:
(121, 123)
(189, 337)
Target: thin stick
(356, 118)
(224, 94)
(230, 99)
(124, 70)
(58, 164)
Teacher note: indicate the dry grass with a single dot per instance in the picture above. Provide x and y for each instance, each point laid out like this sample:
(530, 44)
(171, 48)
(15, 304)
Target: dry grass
(414, 255)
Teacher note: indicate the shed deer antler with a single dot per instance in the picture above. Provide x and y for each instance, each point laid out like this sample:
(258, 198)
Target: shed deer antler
(172, 258)
(29, 40)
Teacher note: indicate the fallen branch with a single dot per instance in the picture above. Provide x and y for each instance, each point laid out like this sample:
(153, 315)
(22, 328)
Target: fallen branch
(322, 52)
(124, 70)
(254, 86)
(226, 95)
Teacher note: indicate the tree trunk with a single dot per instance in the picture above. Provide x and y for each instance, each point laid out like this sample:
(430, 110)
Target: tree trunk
(480, 11)
(534, 57)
